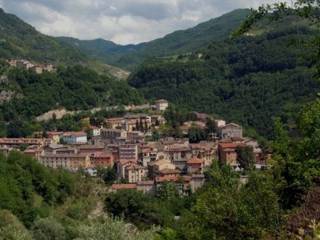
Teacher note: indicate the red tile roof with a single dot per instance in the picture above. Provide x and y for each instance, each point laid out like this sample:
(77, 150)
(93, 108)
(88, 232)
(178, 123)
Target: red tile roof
(144, 183)
(76, 134)
(228, 145)
(169, 171)
(195, 161)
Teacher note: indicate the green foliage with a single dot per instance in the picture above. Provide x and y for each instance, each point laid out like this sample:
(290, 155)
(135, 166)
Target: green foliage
(11, 228)
(108, 175)
(19, 39)
(250, 79)
(176, 116)
(130, 56)
(298, 156)
(196, 135)
(109, 229)
(48, 229)
(75, 88)
(145, 210)
(231, 211)
(23, 181)
(245, 157)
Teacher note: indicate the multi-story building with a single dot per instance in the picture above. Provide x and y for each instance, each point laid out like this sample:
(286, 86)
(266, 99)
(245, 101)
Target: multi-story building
(135, 137)
(115, 123)
(231, 130)
(135, 173)
(90, 149)
(154, 168)
(17, 142)
(227, 153)
(162, 104)
(72, 162)
(101, 160)
(55, 136)
(75, 138)
(128, 152)
(113, 135)
(137, 122)
(195, 166)
(179, 155)
(205, 150)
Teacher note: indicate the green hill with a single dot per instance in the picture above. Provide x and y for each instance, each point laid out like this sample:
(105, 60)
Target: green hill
(19, 39)
(265, 73)
(73, 88)
(129, 56)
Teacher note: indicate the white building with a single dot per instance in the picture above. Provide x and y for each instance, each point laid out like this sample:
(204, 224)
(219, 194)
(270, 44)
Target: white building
(162, 105)
(75, 138)
(220, 123)
(95, 131)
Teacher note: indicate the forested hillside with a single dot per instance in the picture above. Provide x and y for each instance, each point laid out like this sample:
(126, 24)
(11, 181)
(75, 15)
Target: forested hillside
(129, 56)
(265, 72)
(73, 88)
(19, 39)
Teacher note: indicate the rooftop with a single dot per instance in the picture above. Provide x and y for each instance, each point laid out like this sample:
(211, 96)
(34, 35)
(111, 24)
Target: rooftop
(124, 186)
(74, 134)
(195, 161)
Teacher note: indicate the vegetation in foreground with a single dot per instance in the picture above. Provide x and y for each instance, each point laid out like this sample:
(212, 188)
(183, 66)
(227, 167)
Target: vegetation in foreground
(40, 203)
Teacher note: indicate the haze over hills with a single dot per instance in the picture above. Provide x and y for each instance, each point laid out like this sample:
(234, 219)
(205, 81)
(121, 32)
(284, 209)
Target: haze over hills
(129, 56)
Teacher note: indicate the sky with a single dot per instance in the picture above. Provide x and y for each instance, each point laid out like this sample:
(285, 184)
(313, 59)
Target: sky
(121, 21)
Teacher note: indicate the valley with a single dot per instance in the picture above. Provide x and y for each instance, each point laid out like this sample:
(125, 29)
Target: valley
(211, 132)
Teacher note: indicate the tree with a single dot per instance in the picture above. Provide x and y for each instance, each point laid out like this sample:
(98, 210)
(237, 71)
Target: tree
(107, 174)
(196, 135)
(245, 157)
(11, 228)
(225, 209)
(211, 127)
(129, 204)
(112, 229)
(48, 229)
(168, 191)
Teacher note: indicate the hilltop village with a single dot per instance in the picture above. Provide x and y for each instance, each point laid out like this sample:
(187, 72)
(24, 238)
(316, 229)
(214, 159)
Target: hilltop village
(140, 160)
(28, 65)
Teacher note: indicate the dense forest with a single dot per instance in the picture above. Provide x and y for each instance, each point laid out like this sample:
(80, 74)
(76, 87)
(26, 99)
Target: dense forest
(262, 73)
(74, 88)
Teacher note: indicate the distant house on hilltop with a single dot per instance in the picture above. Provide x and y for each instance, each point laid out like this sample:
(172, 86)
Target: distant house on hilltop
(231, 130)
(162, 104)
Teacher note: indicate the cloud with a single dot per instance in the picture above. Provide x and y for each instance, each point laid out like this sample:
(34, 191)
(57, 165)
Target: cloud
(122, 21)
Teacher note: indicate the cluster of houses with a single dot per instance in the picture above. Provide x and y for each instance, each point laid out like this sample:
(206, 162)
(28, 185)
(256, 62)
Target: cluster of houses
(144, 164)
(27, 65)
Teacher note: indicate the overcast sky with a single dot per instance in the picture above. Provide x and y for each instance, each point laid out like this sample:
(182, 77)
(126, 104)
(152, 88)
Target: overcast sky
(122, 21)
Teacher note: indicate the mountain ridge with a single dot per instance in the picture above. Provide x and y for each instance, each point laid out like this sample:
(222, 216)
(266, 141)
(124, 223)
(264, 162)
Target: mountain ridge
(177, 42)
(19, 39)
